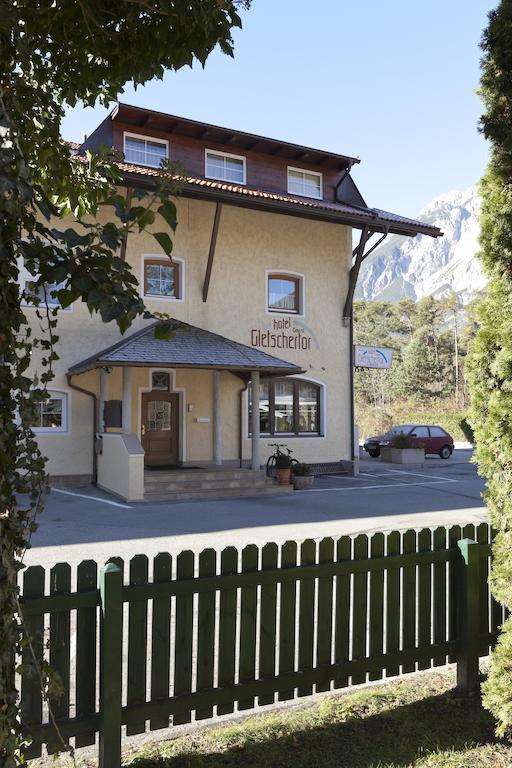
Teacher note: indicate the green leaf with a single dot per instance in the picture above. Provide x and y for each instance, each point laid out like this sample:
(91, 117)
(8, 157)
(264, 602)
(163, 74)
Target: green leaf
(66, 297)
(146, 218)
(110, 235)
(164, 331)
(164, 241)
(168, 211)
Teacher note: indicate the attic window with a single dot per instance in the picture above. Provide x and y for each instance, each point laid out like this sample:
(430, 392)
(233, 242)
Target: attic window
(143, 151)
(225, 167)
(305, 183)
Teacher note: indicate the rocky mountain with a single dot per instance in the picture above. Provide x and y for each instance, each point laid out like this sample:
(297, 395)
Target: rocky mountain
(422, 266)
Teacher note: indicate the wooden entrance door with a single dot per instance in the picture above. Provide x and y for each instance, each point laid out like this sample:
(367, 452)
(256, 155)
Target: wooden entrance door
(160, 428)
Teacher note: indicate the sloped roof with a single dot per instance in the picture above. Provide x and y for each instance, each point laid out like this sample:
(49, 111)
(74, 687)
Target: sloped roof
(278, 202)
(189, 347)
(343, 212)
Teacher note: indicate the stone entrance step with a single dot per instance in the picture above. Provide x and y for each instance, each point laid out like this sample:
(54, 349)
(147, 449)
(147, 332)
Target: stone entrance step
(216, 493)
(208, 483)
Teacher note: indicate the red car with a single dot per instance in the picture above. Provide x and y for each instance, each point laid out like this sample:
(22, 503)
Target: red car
(431, 437)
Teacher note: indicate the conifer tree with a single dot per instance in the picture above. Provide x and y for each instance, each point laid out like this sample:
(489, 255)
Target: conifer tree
(490, 361)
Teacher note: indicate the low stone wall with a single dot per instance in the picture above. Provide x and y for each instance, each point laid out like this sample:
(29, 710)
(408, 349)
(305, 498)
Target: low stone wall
(121, 466)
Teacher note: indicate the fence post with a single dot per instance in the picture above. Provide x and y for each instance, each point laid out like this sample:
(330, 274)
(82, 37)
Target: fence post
(111, 650)
(468, 615)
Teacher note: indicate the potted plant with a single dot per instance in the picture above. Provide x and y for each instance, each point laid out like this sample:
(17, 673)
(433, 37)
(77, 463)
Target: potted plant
(405, 451)
(283, 469)
(302, 476)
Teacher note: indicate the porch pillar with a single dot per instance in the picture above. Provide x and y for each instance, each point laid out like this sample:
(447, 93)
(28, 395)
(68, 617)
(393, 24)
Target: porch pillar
(103, 398)
(217, 420)
(127, 401)
(255, 420)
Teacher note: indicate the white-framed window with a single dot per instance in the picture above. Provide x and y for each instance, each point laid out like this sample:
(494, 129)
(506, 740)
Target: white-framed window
(161, 278)
(51, 415)
(285, 292)
(46, 295)
(289, 406)
(142, 150)
(305, 183)
(223, 166)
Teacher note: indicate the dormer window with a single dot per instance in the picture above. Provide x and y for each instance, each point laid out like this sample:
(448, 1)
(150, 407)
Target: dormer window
(144, 151)
(224, 167)
(305, 183)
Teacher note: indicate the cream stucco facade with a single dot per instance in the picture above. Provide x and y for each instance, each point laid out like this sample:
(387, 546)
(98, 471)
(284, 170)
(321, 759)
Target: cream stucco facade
(250, 243)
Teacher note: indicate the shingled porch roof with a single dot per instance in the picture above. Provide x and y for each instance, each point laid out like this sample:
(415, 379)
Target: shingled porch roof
(189, 347)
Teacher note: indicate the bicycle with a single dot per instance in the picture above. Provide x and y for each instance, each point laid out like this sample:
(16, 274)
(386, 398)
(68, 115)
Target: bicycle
(272, 459)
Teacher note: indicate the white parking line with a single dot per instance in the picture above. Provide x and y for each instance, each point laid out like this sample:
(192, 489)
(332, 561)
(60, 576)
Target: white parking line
(420, 474)
(373, 487)
(94, 498)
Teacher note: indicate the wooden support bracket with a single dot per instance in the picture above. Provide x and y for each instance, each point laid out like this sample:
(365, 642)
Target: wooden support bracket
(211, 254)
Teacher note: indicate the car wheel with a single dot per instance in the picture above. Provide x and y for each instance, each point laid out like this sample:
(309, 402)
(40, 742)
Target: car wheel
(374, 454)
(445, 452)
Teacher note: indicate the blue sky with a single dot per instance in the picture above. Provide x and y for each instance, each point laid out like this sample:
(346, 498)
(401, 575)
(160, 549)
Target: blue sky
(392, 83)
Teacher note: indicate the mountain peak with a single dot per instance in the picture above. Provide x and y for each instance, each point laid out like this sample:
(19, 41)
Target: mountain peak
(422, 266)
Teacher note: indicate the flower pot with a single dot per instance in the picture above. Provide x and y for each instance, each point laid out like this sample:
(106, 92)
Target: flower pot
(385, 453)
(407, 455)
(303, 481)
(283, 476)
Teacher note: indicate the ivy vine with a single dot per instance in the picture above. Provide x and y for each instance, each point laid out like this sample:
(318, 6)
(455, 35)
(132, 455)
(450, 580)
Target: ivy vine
(64, 220)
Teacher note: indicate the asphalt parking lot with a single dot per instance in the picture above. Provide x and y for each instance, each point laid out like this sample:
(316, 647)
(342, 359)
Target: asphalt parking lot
(85, 523)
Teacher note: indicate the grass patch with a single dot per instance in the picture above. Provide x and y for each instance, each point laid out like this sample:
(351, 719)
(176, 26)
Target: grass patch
(418, 722)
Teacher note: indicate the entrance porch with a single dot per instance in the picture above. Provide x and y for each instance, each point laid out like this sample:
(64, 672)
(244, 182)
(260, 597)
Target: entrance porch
(170, 417)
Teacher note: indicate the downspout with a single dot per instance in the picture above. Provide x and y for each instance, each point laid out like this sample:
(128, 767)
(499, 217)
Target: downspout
(241, 425)
(69, 376)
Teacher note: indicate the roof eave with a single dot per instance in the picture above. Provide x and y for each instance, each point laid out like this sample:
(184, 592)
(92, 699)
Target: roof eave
(376, 223)
(91, 365)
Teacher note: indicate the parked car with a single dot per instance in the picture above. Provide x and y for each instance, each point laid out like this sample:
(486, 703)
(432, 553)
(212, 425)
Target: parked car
(431, 437)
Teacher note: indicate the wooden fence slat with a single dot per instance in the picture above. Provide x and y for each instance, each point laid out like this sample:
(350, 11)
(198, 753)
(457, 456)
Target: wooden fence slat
(376, 604)
(86, 654)
(325, 610)
(342, 613)
(161, 638)
(393, 547)
(269, 555)
(359, 606)
(468, 531)
(482, 536)
(306, 615)
(60, 582)
(31, 696)
(184, 631)
(425, 597)
(440, 634)
(137, 644)
(227, 627)
(287, 618)
(409, 601)
(454, 535)
(248, 614)
(206, 631)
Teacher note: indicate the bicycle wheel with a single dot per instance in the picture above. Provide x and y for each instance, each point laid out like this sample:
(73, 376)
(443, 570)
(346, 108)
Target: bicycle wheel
(271, 466)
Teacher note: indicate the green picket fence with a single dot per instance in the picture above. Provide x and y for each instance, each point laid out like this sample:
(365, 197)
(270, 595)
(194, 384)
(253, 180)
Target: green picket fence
(209, 634)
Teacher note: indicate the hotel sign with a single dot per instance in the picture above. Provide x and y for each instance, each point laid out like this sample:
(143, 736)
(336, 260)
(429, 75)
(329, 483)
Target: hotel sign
(284, 333)
(372, 357)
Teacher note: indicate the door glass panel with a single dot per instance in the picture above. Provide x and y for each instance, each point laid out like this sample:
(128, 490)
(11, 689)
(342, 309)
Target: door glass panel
(159, 416)
(283, 409)
(421, 432)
